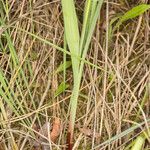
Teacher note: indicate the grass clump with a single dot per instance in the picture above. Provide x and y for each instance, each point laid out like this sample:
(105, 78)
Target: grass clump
(78, 46)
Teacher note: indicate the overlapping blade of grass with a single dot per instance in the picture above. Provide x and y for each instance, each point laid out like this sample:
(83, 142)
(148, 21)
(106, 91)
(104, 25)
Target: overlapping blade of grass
(85, 24)
(84, 50)
(91, 25)
(72, 36)
(91, 14)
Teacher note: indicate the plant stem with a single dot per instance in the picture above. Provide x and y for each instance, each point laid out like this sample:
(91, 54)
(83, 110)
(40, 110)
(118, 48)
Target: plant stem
(73, 108)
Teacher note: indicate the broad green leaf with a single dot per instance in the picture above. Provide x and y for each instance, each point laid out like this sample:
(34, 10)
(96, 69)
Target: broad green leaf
(71, 33)
(134, 12)
(67, 64)
(71, 25)
(61, 88)
(75, 93)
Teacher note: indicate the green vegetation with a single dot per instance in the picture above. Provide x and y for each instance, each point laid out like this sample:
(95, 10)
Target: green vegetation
(74, 74)
(78, 46)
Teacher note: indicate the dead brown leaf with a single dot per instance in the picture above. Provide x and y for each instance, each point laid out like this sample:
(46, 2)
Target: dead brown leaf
(56, 129)
(47, 132)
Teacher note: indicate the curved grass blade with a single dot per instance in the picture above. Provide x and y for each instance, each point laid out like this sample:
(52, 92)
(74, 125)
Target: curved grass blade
(134, 12)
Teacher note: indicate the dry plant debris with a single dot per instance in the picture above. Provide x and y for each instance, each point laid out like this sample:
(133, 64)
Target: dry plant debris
(36, 77)
(45, 133)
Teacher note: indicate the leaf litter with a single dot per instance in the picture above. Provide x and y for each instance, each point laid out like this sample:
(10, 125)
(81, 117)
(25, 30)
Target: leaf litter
(47, 134)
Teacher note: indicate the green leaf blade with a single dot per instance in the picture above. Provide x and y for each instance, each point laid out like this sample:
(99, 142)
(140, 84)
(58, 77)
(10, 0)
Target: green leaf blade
(71, 25)
(131, 14)
(61, 88)
(134, 12)
(60, 68)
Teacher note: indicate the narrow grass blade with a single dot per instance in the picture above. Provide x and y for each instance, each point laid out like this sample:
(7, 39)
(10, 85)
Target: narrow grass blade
(85, 24)
(65, 62)
(124, 133)
(91, 29)
(60, 49)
